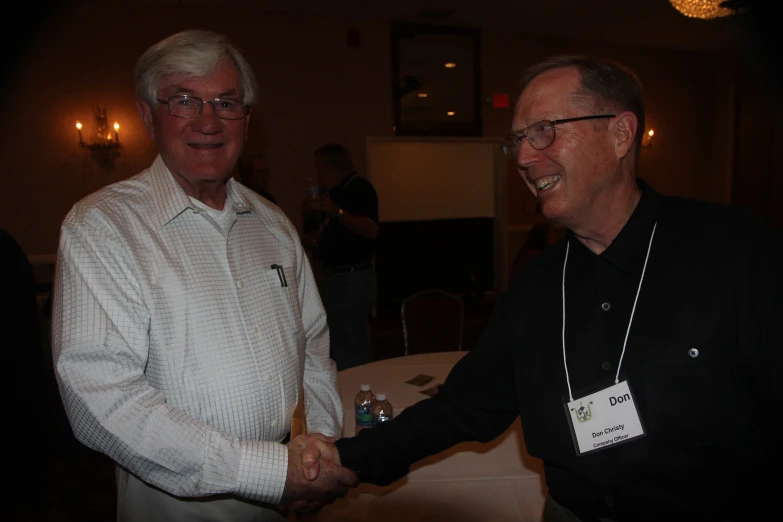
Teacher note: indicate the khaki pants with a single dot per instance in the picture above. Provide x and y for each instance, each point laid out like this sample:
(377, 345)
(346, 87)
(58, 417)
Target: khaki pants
(140, 502)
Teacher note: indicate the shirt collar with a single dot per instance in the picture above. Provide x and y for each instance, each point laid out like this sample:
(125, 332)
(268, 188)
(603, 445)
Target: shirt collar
(170, 200)
(629, 249)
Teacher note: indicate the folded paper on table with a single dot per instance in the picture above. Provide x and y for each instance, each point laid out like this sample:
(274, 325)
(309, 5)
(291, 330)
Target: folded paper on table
(431, 391)
(420, 380)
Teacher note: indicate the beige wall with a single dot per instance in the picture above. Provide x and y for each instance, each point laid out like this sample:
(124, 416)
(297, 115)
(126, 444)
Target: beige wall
(314, 89)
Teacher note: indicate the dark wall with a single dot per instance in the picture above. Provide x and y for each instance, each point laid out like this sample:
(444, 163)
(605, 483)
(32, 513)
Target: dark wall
(456, 255)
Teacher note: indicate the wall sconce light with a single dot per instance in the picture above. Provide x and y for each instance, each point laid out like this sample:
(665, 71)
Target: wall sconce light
(647, 139)
(105, 148)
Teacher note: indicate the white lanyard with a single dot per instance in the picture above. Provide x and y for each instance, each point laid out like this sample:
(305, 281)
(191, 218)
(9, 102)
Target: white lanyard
(628, 331)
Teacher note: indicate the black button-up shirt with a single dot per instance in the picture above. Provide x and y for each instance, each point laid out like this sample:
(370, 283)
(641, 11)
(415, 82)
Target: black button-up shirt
(704, 361)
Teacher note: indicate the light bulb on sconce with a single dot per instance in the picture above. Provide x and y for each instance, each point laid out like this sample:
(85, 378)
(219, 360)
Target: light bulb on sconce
(647, 138)
(104, 149)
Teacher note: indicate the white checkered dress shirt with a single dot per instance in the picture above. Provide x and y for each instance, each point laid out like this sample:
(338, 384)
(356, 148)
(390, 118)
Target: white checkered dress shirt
(178, 352)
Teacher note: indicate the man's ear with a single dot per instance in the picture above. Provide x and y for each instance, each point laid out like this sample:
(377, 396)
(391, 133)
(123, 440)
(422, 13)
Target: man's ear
(624, 131)
(145, 111)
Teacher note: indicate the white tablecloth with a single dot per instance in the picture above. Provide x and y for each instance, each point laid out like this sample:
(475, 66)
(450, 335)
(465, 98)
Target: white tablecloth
(470, 482)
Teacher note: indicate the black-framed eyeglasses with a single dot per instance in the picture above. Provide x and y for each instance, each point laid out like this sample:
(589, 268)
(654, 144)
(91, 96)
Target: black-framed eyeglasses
(183, 106)
(540, 135)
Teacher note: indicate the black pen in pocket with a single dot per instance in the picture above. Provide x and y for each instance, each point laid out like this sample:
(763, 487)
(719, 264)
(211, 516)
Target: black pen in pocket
(280, 274)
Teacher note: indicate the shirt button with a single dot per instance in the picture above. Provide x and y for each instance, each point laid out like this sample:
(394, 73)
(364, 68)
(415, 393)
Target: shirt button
(255, 329)
(609, 501)
(605, 307)
(241, 284)
(270, 377)
(274, 424)
(693, 353)
(606, 366)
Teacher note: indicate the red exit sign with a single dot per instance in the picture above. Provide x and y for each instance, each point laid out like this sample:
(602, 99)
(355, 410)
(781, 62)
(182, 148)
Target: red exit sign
(500, 101)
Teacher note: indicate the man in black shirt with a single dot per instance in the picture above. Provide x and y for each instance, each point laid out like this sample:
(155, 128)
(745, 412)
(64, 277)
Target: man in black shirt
(642, 351)
(345, 245)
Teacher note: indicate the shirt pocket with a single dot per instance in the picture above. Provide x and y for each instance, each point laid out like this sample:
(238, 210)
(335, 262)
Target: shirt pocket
(282, 287)
(688, 390)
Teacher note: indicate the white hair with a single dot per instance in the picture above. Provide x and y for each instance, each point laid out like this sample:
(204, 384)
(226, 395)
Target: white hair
(186, 55)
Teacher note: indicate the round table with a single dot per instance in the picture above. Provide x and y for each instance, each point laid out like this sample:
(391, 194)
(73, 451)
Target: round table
(498, 481)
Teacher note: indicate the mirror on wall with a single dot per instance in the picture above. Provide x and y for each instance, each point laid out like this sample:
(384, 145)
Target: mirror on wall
(436, 76)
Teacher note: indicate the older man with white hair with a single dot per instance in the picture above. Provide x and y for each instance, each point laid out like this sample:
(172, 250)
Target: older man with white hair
(186, 316)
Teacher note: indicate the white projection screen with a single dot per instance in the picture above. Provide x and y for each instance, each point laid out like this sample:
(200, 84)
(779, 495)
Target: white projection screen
(432, 179)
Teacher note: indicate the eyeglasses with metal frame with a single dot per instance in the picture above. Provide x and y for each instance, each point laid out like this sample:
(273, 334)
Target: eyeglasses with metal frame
(540, 135)
(184, 106)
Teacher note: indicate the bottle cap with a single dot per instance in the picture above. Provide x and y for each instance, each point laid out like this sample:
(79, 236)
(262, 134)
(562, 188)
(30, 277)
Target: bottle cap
(365, 387)
(380, 396)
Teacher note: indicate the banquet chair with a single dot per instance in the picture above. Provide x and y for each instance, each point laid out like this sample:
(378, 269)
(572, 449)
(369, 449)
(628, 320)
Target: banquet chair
(432, 321)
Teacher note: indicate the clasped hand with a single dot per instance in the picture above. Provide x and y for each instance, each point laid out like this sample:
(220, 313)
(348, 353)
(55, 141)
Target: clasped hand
(315, 477)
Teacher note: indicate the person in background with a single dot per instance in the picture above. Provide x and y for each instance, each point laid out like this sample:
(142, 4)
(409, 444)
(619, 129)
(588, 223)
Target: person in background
(254, 173)
(344, 245)
(178, 354)
(642, 353)
(26, 378)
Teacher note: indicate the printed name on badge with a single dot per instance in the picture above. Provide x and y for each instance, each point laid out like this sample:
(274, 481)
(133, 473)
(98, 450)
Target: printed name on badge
(605, 418)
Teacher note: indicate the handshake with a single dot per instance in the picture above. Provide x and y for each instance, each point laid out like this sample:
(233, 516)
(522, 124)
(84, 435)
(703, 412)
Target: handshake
(315, 477)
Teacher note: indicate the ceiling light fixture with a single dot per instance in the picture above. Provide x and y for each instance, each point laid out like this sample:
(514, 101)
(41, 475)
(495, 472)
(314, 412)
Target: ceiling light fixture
(704, 9)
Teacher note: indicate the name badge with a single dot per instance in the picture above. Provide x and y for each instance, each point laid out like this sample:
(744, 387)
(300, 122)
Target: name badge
(604, 419)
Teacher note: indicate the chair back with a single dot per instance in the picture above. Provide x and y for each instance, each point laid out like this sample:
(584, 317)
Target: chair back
(432, 321)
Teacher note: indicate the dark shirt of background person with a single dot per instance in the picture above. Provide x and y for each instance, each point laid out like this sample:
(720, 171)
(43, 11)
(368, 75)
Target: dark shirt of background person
(344, 245)
(24, 380)
(340, 246)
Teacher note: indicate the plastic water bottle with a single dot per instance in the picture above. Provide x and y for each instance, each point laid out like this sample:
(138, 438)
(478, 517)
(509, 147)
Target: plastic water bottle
(382, 410)
(363, 404)
(313, 190)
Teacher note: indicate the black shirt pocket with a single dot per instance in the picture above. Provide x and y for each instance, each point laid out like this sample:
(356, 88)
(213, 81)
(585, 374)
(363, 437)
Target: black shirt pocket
(689, 391)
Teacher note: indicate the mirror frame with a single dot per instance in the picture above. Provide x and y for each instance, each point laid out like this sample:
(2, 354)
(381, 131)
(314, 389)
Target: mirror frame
(401, 30)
